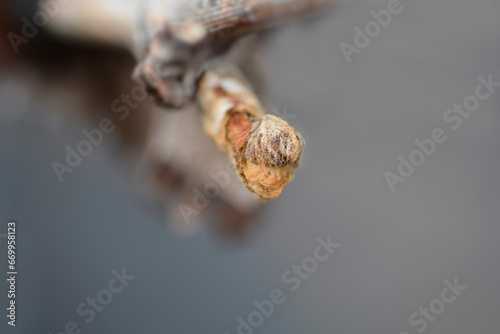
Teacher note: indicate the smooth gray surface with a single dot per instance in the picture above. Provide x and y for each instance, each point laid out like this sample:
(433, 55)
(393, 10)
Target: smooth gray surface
(396, 249)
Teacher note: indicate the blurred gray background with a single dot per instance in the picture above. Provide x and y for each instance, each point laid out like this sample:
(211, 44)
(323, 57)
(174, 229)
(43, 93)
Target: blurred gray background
(396, 249)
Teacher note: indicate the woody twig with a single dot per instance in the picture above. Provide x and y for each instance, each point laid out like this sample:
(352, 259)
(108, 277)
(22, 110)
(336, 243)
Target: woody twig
(178, 44)
(236, 18)
(263, 148)
(172, 39)
(173, 56)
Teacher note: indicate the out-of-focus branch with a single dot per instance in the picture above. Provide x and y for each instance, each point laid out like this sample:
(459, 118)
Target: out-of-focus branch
(110, 22)
(114, 21)
(173, 57)
(236, 18)
(173, 39)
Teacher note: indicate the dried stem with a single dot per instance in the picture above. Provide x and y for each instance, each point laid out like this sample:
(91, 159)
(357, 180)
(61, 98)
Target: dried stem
(263, 148)
(172, 39)
(114, 21)
(203, 29)
(236, 18)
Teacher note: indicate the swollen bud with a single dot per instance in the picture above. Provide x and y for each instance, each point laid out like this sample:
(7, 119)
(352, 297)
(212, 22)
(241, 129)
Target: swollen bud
(273, 149)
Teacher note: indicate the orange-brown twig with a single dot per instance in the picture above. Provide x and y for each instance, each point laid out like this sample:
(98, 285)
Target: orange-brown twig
(263, 148)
